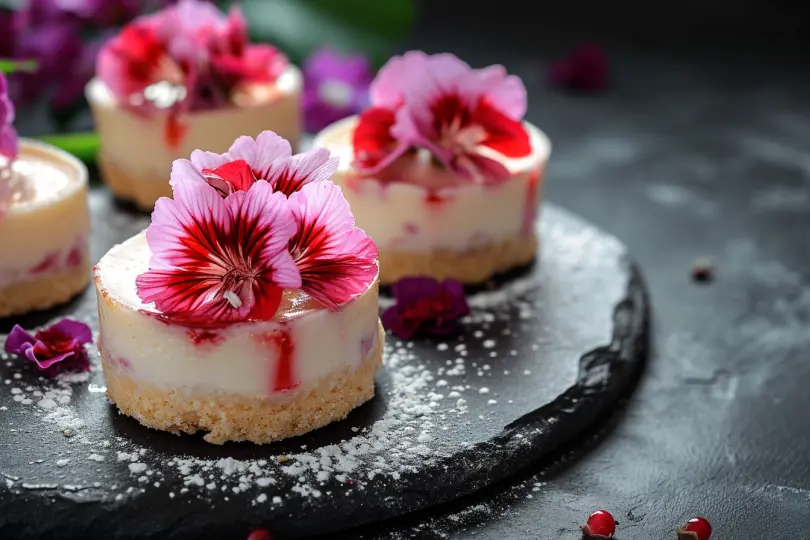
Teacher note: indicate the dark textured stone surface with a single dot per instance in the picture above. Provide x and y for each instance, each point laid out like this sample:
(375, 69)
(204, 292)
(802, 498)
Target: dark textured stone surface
(544, 354)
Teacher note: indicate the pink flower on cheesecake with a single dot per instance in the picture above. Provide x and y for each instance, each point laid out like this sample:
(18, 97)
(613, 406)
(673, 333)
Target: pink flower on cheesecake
(218, 260)
(299, 227)
(188, 56)
(469, 119)
(269, 157)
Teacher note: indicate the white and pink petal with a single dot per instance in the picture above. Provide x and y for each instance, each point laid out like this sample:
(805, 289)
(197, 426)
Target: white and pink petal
(260, 153)
(337, 260)
(288, 175)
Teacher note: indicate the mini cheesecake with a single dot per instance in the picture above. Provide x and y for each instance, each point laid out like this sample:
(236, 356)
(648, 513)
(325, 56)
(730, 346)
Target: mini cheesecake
(248, 307)
(428, 221)
(441, 169)
(185, 77)
(253, 381)
(135, 157)
(44, 229)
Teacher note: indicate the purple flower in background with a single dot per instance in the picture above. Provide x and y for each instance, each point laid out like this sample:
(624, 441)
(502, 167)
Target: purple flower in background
(57, 348)
(335, 86)
(8, 136)
(424, 305)
(52, 33)
(584, 68)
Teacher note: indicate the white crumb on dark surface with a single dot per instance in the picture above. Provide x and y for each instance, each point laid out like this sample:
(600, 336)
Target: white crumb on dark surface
(435, 399)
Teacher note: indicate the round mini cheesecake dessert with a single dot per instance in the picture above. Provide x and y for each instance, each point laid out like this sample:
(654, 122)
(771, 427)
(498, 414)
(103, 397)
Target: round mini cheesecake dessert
(428, 221)
(152, 106)
(248, 308)
(258, 381)
(44, 229)
(441, 170)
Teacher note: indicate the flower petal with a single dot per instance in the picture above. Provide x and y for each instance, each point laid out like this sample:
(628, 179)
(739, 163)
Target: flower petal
(425, 305)
(215, 260)
(78, 331)
(261, 153)
(506, 93)
(18, 340)
(264, 221)
(374, 141)
(406, 74)
(234, 175)
(184, 170)
(208, 160)
(504, 135)
(336, 259)
(289, 175)
(413, 289)
(47, 362)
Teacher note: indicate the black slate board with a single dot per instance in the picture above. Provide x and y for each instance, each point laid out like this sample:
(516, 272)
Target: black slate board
(541, 356)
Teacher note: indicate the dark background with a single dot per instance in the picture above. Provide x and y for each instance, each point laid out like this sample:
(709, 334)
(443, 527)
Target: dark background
(701, 148)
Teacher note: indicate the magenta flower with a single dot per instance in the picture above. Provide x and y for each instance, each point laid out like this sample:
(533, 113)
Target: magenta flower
(424, 305)
(8, 135)
(57, 348)
(269, 158)
(584, 68)
(335, 86)
(219, 260)
(466, 117)
(193, 51)
(335, 260)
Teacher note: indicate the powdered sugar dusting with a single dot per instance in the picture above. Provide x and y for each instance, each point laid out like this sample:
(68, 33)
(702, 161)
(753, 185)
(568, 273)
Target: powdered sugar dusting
(436, 398)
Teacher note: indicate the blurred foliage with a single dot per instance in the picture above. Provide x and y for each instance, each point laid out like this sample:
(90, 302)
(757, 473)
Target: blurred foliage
(82, 145)
(298, 27)
(11, 66)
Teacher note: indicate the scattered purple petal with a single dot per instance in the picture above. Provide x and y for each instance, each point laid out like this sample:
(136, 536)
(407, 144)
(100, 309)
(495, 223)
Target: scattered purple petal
(425, 306)
(57, 348)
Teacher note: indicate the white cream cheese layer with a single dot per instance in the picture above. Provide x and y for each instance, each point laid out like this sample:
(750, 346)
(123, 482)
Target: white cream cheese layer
(44, 217)
(302, 345)
(136, 145)
(407, 216)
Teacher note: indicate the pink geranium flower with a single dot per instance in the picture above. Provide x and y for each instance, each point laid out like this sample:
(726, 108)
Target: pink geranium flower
(219, 260)
(268, 157)
(189, 55)
(212, 274)
(469, 119)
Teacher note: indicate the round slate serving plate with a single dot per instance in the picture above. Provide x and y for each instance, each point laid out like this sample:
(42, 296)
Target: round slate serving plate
(542, 355)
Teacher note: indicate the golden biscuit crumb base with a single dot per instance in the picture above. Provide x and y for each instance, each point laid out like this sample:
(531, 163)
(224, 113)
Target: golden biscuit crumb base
(471, 267)
(43, 292)
(233, 417)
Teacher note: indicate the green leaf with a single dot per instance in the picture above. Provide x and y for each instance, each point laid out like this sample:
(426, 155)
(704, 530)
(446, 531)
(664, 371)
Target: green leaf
(298, 27)
(82, 145)
(10, 66)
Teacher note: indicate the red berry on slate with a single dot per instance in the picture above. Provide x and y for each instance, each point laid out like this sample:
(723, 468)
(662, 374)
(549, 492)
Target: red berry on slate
(601, 523)
(260, 534)
(699, 528)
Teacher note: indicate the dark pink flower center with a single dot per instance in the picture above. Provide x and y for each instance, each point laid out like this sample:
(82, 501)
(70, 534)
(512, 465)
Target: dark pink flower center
(52, 343)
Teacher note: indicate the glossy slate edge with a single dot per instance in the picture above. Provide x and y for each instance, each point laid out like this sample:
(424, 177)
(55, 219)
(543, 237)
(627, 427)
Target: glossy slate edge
(606, 374)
